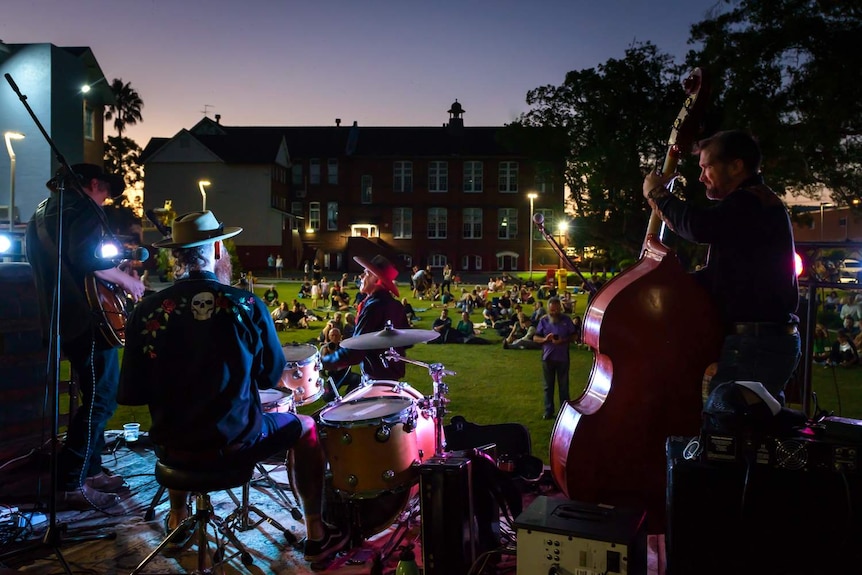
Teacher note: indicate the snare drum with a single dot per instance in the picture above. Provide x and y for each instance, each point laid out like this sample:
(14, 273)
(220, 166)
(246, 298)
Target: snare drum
(301, 374)
(390, 388)
(370, 443)
(274, 401)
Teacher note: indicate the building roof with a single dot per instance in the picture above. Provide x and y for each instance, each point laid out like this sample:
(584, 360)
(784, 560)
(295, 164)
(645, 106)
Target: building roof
(256, 144)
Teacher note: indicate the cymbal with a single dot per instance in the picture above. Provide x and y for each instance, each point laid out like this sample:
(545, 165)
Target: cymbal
(389, 337)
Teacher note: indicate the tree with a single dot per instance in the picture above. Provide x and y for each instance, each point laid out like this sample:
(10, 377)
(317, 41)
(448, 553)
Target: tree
(788, 70)
(126, 109)
(617, 118)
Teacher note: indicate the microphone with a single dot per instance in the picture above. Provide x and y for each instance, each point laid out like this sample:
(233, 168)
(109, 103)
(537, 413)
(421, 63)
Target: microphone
(539, 218)
(112, 252)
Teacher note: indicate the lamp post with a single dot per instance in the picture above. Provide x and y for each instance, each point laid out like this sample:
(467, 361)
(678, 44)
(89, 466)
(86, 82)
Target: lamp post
(563, 229)
(9, 136)
(201, 185)
(822, 205)
(532, 196)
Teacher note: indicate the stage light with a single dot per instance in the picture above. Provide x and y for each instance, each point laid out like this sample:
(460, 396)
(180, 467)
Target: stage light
(5, 243)
(797, 262)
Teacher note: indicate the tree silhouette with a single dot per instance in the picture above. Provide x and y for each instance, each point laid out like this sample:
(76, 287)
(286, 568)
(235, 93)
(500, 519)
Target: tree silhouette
(126, 110)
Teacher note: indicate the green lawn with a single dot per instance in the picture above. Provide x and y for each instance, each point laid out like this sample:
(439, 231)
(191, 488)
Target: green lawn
(493, 385)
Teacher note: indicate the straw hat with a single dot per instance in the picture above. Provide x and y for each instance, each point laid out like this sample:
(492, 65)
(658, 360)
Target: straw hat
(195, 229)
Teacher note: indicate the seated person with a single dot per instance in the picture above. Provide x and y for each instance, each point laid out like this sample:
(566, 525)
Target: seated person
(490, 314)
(465, 326)
(336, 322)
(851, 326)
(270, 296)
(337, 299)
(409, 311)
(200, 374)
(338, 378)
(349, 326)
(525, 340)
(844, 353)
(305, 290)
(296, 317)
(443, 326)
(822, 345)
(279, 315)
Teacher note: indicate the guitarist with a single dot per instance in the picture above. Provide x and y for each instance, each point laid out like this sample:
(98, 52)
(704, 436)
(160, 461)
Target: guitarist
(751, 273)
(82, 482)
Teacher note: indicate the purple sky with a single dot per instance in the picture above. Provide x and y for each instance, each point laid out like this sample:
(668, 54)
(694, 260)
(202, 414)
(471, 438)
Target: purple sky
(292, 62)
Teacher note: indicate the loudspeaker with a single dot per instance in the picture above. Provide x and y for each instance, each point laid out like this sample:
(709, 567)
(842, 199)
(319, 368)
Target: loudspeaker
(749, 518)
(449, 529)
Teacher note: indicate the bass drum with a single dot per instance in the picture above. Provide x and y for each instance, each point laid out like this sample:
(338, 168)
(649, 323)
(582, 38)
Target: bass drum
(388, 388)
(367, 516)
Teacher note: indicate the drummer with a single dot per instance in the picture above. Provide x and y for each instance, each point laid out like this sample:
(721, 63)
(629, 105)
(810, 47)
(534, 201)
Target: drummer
(379, 306)
(197, 353)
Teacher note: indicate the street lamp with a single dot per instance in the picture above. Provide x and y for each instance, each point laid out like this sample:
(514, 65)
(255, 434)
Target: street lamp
(532, 196)
(822, 205)
(9, 136)
(563, 229)
(201, 185)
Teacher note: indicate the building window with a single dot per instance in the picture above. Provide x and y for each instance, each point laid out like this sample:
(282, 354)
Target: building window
(402, 223)
(314, 171)
(314, 216)
(507, 223)
(402, 177)
(549, 223)
(477, 261)
(438, 176)
(332, 216)
(296, 211)
(437, 260)
(296, 175)
(365, 192)
(508, 177)
(471, 260)
(89, 123)
(472, 223)
(472, 177)
(436, 223)
(332, 171)
(544, 178)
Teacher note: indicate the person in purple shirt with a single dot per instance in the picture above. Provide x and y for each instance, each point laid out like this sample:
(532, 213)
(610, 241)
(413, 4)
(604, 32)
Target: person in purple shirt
(555, 332)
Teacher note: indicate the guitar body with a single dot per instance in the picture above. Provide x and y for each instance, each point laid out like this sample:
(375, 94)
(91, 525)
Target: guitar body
(110, 304)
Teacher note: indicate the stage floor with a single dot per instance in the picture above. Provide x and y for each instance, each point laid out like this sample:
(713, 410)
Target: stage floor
(133, 538)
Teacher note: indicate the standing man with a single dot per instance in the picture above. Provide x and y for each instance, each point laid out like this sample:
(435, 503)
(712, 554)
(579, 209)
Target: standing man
(378, 307)
(197, 354)
(751, 273)
(555, 332)
(82, 481)
(279, 266)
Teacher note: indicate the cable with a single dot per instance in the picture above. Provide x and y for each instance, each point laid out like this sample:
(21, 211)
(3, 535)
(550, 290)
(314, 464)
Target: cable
(20, 457)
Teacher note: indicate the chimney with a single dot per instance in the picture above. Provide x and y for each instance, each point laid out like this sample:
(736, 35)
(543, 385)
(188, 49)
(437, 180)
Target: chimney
(218, 118)
(337, 122)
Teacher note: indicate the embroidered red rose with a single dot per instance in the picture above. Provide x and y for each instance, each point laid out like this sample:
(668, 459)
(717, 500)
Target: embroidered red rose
(223, 302)
(169, 305)
(153, 325)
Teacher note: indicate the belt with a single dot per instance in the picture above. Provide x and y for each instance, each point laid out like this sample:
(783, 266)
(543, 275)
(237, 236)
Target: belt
(764, 328)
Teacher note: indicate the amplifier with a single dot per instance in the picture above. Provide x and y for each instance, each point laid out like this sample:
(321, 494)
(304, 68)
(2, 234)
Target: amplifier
(762, 515)
(562, 536)
(449, 527)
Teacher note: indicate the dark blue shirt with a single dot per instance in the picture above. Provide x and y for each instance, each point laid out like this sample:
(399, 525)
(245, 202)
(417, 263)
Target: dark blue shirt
(197, 353)
(751, 272)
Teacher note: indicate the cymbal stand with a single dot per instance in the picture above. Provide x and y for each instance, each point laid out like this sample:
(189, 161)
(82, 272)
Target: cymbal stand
(438, 399)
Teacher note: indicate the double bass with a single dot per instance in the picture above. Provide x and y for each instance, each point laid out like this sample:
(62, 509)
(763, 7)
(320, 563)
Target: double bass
(654, 332)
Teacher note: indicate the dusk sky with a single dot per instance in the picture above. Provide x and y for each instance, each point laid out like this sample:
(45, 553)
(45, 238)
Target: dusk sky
(377, 62)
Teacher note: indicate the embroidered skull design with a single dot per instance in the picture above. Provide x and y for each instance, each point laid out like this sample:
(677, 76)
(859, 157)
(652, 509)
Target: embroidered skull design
(203, 305)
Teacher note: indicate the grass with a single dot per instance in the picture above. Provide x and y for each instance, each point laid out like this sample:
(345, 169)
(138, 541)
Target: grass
(493, 385)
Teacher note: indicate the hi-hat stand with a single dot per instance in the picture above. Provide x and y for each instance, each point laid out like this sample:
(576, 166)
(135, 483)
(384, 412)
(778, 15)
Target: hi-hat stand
(54, 534)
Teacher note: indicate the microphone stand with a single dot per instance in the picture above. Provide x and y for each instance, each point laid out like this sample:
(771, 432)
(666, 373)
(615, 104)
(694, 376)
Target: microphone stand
(55, 530)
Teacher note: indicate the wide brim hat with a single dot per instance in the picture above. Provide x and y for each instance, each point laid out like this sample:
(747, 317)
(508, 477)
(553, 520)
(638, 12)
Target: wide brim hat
(196, 229)
(383, 269)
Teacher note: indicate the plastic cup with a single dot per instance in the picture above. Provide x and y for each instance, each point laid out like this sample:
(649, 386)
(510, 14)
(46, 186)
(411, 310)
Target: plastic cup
(130, 431)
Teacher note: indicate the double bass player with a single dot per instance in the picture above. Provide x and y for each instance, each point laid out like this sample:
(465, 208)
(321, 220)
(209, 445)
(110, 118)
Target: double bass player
(751, 273)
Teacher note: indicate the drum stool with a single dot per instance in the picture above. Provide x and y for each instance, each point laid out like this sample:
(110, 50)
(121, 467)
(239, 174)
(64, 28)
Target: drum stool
(201, 483)
(240, 517)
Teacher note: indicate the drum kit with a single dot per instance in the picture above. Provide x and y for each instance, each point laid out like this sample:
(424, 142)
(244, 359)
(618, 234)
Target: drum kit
(374, 437)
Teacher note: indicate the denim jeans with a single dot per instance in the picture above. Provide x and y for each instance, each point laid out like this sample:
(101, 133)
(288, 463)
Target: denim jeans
(98, 371)
(771, 360)
(558, 370)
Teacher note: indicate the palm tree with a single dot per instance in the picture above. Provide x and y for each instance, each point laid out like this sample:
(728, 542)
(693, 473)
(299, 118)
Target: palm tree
(126, 110)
